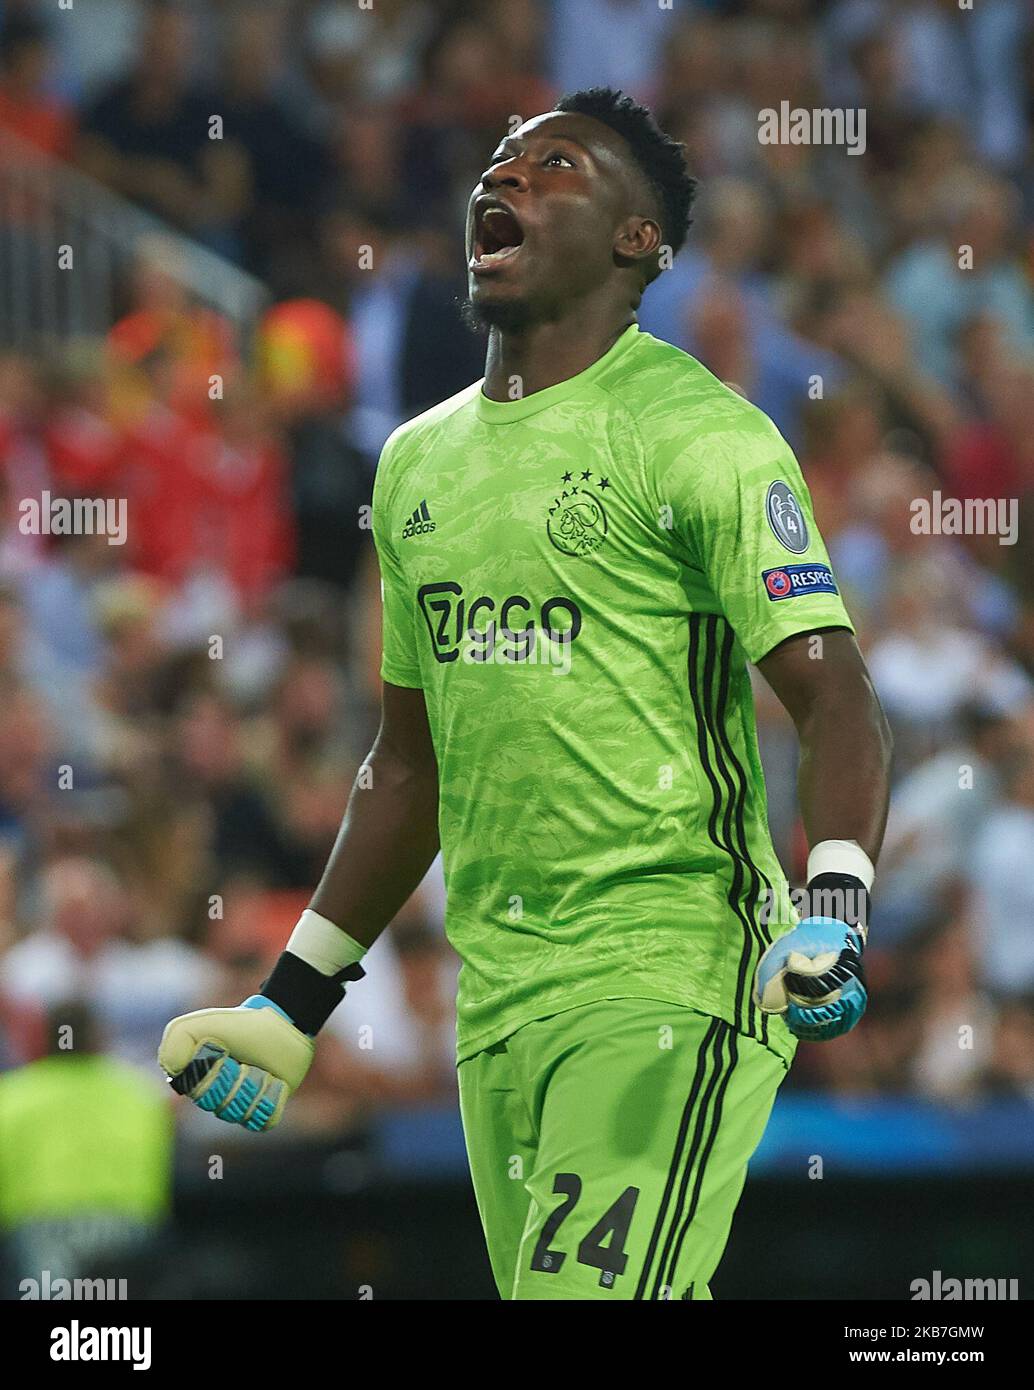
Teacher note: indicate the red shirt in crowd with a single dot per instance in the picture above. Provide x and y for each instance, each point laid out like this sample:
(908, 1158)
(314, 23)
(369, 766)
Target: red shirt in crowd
(201, 502)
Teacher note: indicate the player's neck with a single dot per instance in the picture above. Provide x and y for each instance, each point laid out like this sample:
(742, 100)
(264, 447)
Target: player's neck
(519, 363)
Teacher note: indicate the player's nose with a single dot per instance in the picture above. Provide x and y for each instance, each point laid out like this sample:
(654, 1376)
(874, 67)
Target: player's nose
(508, 173)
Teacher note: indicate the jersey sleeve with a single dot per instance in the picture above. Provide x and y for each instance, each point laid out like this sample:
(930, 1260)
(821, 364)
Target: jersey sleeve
(399, 661)
(742, 514)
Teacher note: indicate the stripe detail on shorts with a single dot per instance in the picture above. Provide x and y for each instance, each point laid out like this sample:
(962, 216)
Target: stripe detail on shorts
(691, 1142)
(716, 1118)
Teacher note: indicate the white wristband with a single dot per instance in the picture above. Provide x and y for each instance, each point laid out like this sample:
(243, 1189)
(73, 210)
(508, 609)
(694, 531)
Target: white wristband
(320, 944)
(841, 857)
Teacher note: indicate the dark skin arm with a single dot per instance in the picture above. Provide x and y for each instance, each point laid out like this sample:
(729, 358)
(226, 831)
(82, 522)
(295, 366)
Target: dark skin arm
(389, 836)
(844, 777)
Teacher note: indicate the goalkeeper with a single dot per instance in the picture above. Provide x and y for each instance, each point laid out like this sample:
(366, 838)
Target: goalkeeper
(580, 555)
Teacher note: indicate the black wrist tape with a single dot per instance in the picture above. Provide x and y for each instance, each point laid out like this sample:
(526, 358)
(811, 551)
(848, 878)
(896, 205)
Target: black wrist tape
(838, 895)
(305, 995)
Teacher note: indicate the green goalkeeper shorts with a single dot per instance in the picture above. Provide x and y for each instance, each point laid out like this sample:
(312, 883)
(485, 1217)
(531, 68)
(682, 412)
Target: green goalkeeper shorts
(609, 1146)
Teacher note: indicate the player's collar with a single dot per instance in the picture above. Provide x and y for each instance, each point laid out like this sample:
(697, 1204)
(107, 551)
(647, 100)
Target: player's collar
(505, 412)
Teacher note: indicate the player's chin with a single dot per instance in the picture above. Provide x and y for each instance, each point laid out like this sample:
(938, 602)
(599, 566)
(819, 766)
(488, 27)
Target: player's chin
(497, 306)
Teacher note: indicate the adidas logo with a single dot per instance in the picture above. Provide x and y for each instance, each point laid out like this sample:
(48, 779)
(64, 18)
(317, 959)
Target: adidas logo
(419, 524)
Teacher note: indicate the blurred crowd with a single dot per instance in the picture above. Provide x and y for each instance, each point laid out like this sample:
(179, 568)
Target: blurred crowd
(181, 715)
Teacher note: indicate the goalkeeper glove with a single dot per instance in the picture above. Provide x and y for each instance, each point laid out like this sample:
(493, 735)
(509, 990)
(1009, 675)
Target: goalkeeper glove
(243, 1064)
(813, 975)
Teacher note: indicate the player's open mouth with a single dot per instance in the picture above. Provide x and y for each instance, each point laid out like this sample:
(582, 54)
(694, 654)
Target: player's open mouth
(498, 236)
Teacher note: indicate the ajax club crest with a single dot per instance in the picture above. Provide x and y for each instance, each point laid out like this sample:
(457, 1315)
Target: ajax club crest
(577, 522)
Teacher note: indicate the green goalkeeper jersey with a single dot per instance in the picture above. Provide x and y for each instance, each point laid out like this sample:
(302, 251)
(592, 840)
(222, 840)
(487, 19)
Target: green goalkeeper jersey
(576, 579)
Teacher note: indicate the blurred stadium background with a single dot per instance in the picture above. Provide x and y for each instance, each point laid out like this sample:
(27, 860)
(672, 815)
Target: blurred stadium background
(230, 257)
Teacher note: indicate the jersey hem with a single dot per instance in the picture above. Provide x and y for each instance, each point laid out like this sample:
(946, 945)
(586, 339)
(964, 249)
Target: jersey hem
(810, 622)
(470, 1047)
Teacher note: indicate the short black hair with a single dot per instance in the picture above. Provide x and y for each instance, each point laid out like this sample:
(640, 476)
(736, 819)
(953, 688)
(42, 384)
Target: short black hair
(19, 32)
(660, 158)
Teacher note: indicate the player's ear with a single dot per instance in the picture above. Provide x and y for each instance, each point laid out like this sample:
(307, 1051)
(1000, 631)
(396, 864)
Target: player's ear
(637, 239)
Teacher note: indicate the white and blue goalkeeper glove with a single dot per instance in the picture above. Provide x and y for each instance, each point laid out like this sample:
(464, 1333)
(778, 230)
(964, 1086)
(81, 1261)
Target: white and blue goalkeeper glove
(243, 1064)
(813, 975)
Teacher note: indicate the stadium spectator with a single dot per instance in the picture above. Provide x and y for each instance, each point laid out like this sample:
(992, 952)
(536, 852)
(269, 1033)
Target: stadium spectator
(28, 108)
(1003, 891)
(150, 137)
(967, 266)
(85, 1157)
(940, 808)
(86, 945)
(284, 160)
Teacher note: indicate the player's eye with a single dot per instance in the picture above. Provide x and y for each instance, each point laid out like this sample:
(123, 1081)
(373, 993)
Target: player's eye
(556, 155)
